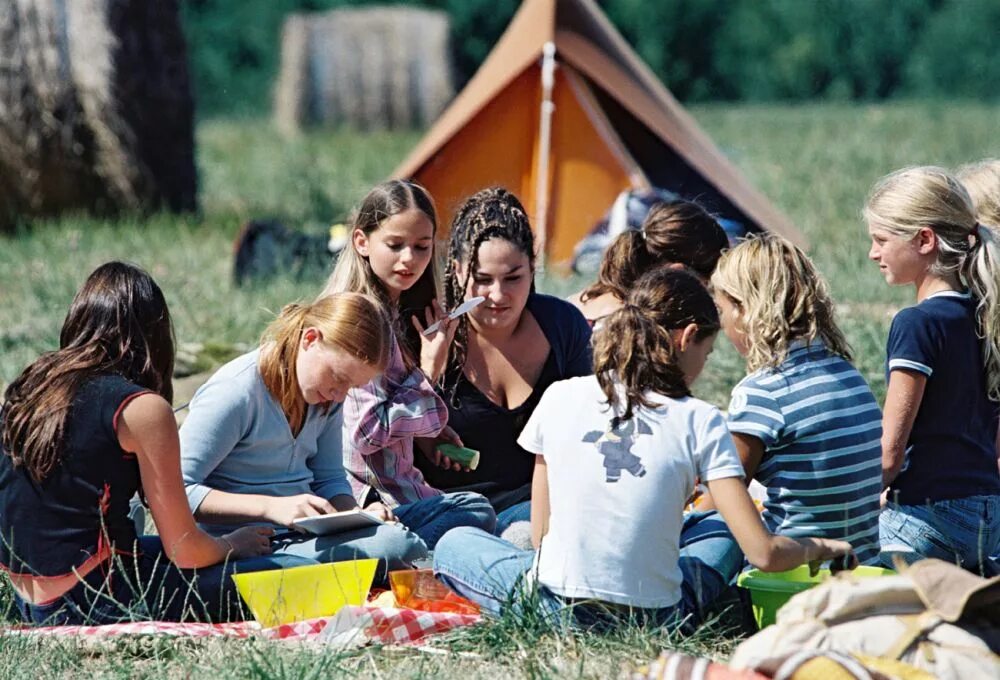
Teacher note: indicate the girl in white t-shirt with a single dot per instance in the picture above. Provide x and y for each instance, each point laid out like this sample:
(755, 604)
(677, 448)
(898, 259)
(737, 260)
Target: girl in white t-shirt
(617, 455)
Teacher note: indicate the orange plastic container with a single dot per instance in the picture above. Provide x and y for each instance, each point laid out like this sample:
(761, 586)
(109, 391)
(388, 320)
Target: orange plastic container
(419, 589)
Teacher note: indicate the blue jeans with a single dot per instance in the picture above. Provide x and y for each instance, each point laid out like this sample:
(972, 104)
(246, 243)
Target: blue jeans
(432, 518)
(963, 531)
(495, 575)
(393, 545)
(150, 587)
(521, 512)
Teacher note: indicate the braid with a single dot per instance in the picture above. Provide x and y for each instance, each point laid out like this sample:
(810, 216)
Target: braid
(490, 213)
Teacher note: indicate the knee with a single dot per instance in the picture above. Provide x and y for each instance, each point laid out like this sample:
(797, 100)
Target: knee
(399, 547)
(477, 509)
(457, 541)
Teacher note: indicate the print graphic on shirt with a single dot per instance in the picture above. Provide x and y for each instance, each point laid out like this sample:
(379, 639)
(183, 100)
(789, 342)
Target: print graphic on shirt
(615, 444)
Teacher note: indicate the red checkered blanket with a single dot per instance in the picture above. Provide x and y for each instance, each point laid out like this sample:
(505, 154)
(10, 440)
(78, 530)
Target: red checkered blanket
(350, 627)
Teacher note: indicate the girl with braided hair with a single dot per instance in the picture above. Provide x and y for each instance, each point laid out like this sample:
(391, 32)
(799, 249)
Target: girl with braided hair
(506, 351)
(627, 444)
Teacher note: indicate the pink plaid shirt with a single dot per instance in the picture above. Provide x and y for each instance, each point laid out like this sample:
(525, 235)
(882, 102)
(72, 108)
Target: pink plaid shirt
(380, 421)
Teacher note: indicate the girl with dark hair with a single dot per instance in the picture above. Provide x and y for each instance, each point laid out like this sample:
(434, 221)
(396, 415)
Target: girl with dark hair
(676, 232)
(84, 428)
(627, 443)
(391, 257)
(506, 351)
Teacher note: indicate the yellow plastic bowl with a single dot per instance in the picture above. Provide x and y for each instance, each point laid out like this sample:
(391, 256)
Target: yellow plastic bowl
(770, 591)
(286, 595)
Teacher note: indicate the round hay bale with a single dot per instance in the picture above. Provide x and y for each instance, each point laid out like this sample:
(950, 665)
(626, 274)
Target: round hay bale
(371, 68)
(96, 111)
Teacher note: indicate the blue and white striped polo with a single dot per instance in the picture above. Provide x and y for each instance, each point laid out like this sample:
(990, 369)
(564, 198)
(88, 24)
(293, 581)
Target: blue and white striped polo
(821, 430)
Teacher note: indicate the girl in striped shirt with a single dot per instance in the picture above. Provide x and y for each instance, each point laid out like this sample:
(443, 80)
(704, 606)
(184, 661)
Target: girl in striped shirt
(391, 257)
(805, 422)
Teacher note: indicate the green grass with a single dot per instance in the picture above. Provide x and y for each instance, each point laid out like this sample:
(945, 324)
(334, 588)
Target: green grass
(815, 162)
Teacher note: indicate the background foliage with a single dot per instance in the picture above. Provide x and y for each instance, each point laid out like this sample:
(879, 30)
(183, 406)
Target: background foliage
(751, 50)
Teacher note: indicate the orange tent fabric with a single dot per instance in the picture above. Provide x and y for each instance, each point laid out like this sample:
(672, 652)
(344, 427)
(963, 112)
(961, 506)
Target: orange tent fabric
(614, 126)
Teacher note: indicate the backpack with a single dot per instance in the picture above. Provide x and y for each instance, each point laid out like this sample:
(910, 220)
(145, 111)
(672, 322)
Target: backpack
(933, 617)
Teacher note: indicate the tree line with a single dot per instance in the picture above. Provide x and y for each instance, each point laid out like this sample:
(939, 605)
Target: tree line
(704, 50)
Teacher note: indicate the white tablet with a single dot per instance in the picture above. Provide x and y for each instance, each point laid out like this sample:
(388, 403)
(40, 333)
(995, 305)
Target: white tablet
(337, 522)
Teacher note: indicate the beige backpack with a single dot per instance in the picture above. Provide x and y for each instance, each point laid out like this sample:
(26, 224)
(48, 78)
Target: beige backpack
(932, 616)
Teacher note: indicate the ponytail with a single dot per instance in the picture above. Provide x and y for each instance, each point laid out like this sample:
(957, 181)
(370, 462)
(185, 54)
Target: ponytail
(634, 351)
(981, 271)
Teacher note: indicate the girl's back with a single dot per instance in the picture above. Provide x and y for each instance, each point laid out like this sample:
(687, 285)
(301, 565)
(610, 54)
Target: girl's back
(617, 494)
(821, 429)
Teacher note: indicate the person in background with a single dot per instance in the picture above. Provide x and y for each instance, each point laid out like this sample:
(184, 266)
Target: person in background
(261, 444)
(676, 232)
(391, 258)
(805, 422)
(616, 457)
(506, 352)
(940, 421)
(86, 427)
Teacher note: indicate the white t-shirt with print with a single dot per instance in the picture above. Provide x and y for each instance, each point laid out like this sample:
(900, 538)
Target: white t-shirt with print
(616, 498)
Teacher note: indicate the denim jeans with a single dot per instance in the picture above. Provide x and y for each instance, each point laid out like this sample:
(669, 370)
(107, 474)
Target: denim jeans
(432, 518)
(393, 545)
(520, 512)
(150, 587)
(496, 575)
(963, 531)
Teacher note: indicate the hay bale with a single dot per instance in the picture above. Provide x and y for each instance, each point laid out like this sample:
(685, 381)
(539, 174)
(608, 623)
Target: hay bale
(96, 110)
(371, 68)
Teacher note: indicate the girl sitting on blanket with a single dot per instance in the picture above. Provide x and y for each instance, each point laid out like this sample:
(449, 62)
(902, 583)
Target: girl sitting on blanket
(506, 352)
(616, 457)
(391, 258)
(677, 232)
(940, 435)
(804, 421)
(262, 441)
(84, 428)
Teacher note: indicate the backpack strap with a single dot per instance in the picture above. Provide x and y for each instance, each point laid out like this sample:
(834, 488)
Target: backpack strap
(917, 625)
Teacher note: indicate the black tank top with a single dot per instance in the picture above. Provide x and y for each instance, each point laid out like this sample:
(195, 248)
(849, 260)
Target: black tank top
(48, 528)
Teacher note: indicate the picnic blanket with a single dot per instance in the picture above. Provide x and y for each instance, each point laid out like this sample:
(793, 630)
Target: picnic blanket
(352, 626)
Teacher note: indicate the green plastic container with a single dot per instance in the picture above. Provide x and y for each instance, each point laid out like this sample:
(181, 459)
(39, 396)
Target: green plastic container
(769, 591)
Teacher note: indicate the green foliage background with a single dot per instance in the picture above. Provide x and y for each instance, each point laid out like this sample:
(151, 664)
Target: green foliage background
(749, 50)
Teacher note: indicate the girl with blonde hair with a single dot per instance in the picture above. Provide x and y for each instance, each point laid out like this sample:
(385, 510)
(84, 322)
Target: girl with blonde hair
(616, 455)
(939, 440)
(982, 181)
(262, 442)
(391, 257)
(805, 422)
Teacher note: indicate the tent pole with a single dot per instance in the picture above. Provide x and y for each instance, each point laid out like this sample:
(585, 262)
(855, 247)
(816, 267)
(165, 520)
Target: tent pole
(544, 150)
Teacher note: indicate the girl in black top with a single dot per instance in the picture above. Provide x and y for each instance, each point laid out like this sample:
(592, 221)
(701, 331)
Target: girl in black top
(83, 429)
(506, 352)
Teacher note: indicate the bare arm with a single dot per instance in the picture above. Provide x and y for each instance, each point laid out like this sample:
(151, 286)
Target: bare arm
(902, 400)
(764, 550)
(224, 507)
(147, 428)
(750, 450)
(539, 501)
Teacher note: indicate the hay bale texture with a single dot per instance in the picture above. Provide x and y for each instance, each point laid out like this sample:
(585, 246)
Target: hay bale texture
(96, 109)
(371, 68)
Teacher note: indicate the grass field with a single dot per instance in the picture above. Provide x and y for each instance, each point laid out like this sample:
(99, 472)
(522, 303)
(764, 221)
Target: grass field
(814, 162)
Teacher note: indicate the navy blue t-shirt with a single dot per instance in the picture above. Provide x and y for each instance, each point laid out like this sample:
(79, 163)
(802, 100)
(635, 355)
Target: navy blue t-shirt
(951, 452)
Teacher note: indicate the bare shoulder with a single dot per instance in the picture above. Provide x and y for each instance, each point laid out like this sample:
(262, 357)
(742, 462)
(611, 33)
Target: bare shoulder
(142, 415)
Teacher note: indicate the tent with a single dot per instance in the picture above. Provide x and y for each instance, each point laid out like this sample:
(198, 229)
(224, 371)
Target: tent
(564, 114)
